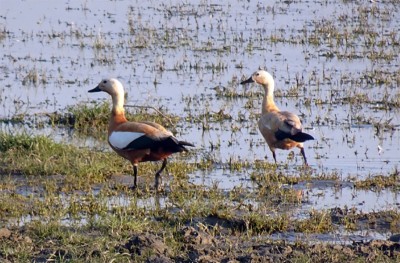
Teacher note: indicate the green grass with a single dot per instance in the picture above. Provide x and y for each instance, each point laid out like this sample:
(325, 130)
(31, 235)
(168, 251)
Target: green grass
(39, 155)
(66, 220)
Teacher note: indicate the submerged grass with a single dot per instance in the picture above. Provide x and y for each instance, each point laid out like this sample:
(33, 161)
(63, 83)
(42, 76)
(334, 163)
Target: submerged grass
(92, 119)
(270, 178)
(379, 182)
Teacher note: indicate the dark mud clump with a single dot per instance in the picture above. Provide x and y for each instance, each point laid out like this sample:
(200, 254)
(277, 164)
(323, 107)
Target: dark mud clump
(149, 246)
(199, 245)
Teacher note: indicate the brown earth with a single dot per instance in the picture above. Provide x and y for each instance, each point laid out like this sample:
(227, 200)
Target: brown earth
(199, 245)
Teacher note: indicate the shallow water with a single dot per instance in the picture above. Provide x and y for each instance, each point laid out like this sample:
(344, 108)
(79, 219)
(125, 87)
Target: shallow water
(340, 238)
(167, 54)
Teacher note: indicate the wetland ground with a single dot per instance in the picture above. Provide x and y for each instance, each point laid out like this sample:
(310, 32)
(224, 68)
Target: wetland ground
(64, 196)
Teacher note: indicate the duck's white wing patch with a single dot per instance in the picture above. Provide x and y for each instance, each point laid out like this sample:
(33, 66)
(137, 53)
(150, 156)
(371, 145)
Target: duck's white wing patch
(121, 139)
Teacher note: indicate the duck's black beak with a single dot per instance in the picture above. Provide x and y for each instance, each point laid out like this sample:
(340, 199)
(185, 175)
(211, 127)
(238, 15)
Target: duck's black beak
(250, 80)
(97, 89)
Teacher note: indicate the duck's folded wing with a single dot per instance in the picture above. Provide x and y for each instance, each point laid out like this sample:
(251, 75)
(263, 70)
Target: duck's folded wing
(138, 135)
(157, 126)
(290, 128)
(283, 121)
(290, 123)
(126, 140)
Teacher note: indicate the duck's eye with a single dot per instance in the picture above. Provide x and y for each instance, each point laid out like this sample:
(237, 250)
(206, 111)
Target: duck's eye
(104, 81)
(258, 74)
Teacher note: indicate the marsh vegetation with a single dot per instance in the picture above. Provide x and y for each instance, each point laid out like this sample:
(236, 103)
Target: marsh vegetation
(65, 197)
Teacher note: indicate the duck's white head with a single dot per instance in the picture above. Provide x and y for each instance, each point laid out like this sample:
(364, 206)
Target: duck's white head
(261, 77)
(111, 86)
(116, 90)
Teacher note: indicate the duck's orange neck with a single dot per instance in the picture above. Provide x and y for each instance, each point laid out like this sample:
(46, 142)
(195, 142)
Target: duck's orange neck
(117, 113)
(268, 104)
(116, 119)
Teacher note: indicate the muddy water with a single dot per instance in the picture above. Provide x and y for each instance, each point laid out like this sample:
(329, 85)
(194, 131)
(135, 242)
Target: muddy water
(175, 54)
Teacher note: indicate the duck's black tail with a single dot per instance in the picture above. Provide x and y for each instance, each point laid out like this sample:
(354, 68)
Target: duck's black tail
(183, 144)
(173, 145)
(298, 137)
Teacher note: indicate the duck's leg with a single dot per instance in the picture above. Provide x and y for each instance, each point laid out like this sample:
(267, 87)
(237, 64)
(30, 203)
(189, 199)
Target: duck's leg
(304, 156)
(274, 155)
(134, 176)
(158, 174)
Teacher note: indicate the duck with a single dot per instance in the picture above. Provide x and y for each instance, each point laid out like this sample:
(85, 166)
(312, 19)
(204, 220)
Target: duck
(280, 129)
(137, 141)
